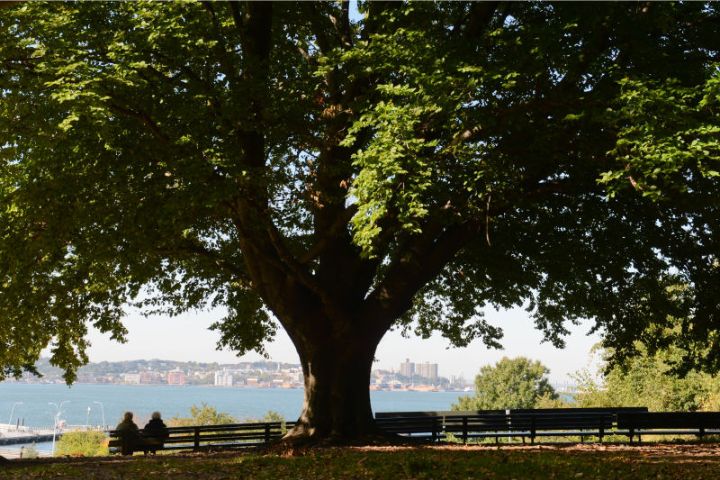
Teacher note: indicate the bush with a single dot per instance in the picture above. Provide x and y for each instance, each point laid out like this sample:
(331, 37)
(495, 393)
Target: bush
(648, 380)
(202, 415)
(510, 383)
(272, 416)
(82, 444)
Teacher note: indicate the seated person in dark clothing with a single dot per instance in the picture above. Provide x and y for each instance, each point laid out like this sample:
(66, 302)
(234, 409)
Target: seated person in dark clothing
(128, 434)
(154, 434)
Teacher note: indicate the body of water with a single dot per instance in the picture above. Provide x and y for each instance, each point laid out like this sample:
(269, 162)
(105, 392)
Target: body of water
(86, 404)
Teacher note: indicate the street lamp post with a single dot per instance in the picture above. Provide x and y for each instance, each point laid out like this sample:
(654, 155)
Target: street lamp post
(87, 419)
(12, 410)
(57, 419)
(102, 409)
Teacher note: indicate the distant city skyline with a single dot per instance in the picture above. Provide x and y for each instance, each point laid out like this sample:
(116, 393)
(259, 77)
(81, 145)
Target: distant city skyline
(186, 338)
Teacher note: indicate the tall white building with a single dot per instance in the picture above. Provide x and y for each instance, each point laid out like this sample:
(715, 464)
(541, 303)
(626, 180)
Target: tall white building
(407, 368)
(223, 378)
(132, 378)
(428, 370)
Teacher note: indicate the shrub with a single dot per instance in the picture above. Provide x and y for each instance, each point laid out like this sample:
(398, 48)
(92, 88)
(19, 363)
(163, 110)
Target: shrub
(510, 383)
(202, 415)
(30, 452)
(82, 444)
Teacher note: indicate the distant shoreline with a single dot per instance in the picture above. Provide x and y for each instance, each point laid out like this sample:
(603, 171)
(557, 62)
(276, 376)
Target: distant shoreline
(229, 387)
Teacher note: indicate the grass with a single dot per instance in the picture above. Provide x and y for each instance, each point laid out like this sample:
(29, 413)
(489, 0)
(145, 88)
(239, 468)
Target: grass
(686, 462)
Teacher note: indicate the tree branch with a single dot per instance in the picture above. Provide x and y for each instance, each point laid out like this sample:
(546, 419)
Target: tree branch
(226, 61)
(237, 16)
(342, 24)
(479, 18)
(423, 259)
(323, 242)
(292, 265)
(144, 118)
(195, 248)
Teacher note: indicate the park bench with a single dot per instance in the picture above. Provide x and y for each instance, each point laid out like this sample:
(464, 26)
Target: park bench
(436, 425)
(566, 422)
(523, 423)
(420, 427)
(238, 435)
(636, 424)
(467, 425)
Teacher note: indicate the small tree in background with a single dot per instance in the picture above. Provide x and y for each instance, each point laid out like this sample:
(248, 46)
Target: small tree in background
(649, 381)
(203, 415)
(510, 383)
(30, 452)
(272, 416)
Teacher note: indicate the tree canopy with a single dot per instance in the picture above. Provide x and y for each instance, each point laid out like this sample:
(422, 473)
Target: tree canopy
(344, 176)
(510, 383)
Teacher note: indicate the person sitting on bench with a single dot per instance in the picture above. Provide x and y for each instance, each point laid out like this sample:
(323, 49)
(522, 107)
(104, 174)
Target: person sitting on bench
(128, 434)
(154, 434)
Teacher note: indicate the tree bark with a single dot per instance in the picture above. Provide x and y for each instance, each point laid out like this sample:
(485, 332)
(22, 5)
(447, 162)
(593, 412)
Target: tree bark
(337, 405)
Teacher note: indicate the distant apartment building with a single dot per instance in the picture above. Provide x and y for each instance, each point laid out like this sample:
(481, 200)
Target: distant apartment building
(427, 370)
(176, 377)
(131, 378)
(407, 368)
(223, 378)
(151, 377)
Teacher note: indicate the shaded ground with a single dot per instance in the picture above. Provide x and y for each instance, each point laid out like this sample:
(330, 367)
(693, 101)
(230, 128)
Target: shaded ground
(686, 462)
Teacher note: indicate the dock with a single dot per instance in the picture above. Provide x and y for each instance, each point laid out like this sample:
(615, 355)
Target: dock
(14, 435)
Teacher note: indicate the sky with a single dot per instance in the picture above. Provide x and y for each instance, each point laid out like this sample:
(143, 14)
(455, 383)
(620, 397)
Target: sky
(187, 338)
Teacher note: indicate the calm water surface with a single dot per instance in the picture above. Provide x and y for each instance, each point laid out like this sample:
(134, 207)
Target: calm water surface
(85, 403)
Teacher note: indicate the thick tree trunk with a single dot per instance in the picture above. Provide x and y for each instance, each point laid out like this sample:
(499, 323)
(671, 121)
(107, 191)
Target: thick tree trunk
(337, 391)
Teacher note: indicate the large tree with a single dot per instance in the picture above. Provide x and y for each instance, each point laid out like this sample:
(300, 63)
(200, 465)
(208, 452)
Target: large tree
(341, 176)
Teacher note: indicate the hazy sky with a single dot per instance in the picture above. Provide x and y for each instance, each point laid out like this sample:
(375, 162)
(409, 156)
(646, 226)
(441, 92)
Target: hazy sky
(187, 338)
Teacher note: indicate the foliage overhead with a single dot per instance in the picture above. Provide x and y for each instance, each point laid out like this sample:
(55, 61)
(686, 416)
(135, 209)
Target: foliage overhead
(510, 383)
(407, 169)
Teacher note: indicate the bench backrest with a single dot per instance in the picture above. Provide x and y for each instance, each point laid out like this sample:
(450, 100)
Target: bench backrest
(676, 420)
(487, 422)
(547, 419)
(415, 425)
(439, 413)
(573, 410)
(560, 421)
(240, 434)
(235, 427)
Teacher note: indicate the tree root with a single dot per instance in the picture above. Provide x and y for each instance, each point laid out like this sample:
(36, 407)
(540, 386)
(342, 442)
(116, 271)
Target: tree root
(298, 443)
